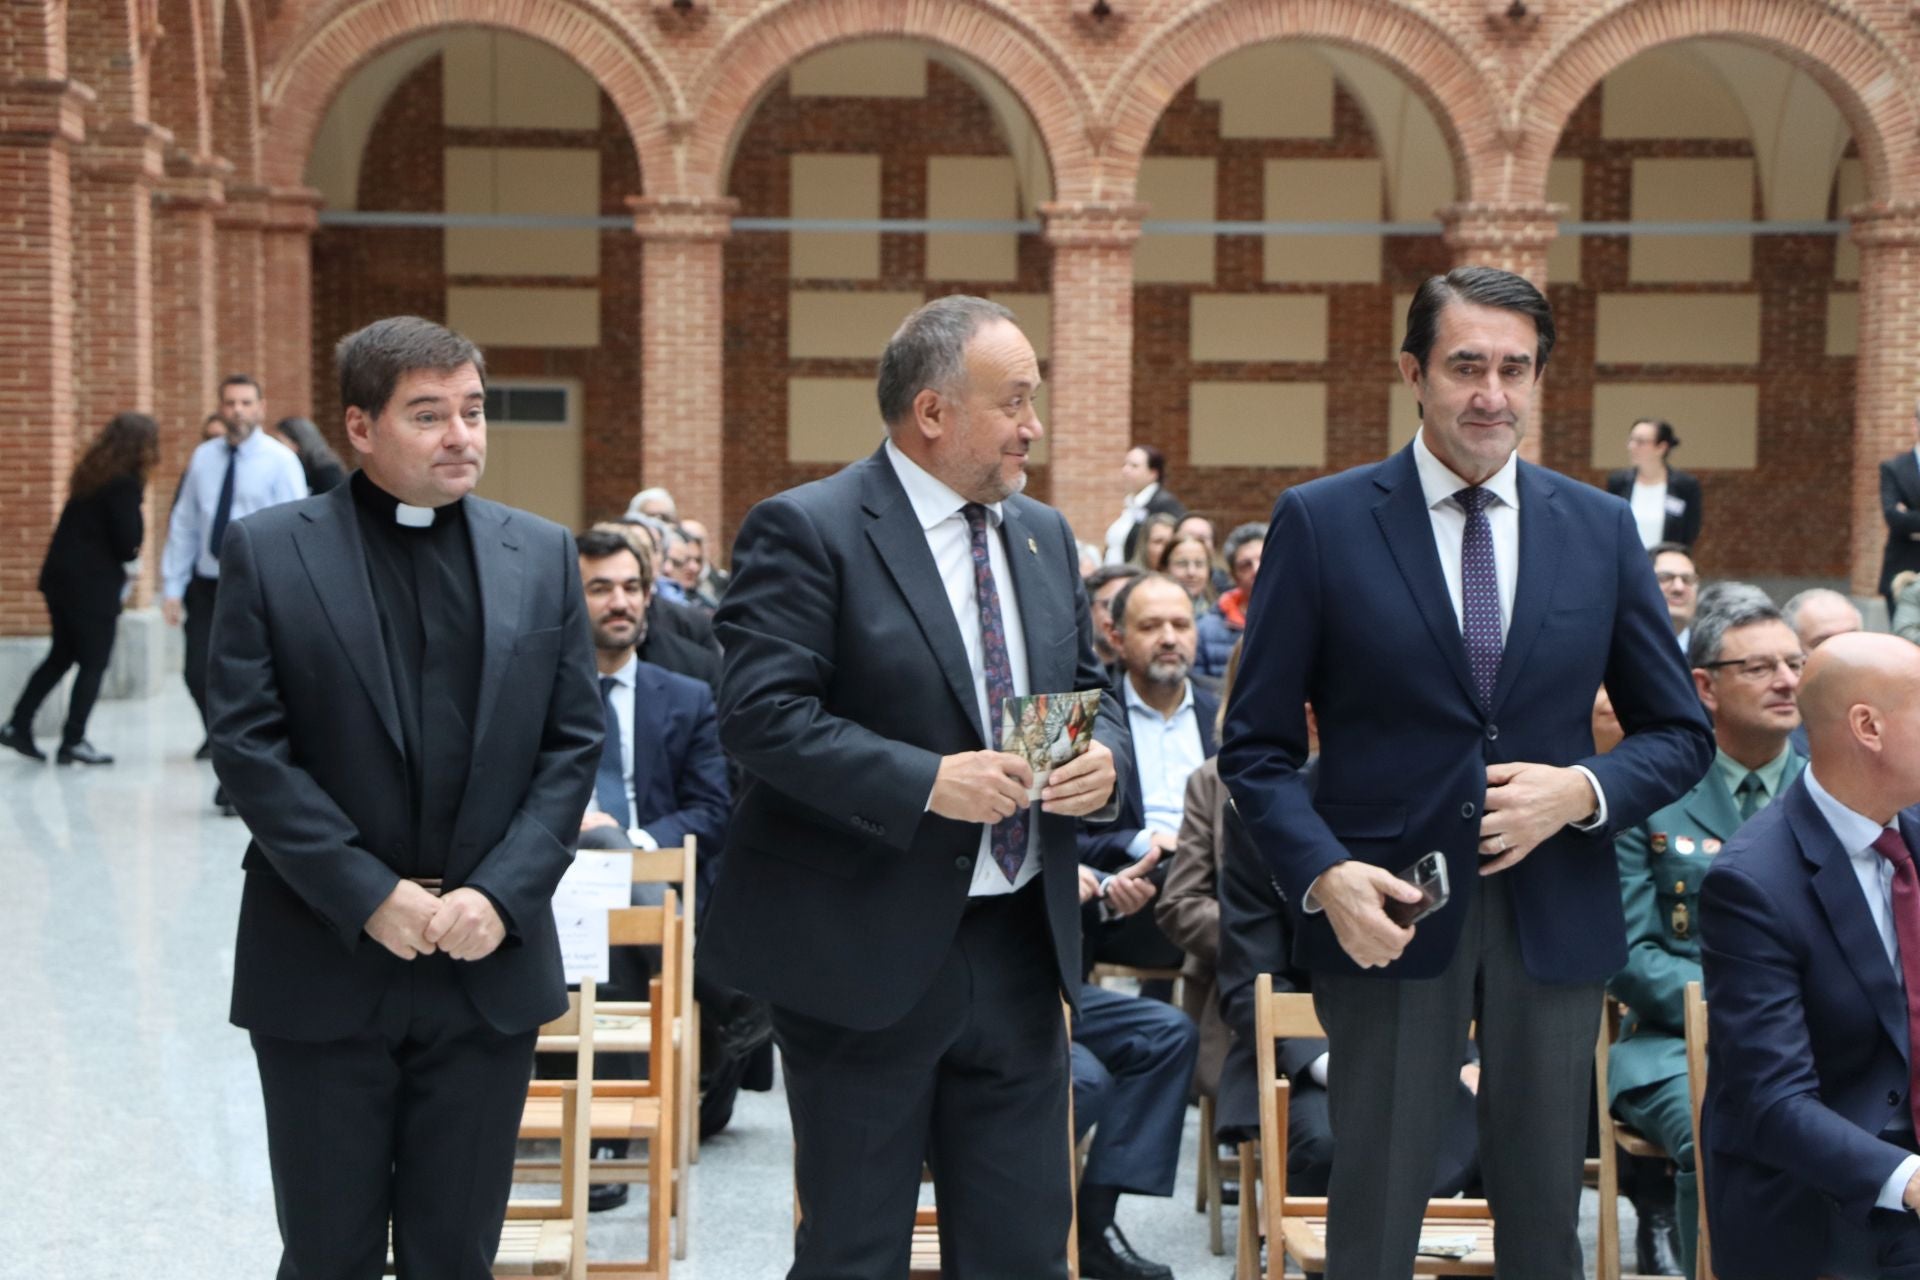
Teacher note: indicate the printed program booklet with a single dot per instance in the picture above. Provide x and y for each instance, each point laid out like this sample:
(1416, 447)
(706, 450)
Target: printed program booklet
(1048, 729)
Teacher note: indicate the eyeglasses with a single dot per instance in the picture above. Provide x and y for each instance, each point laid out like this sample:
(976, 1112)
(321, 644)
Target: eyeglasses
(1669, 578)
(1760, 668)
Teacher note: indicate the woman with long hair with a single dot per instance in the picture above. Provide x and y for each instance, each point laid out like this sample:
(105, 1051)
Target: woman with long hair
(1189, 561)
(317, 458)
(83, 579)
(1155, 533)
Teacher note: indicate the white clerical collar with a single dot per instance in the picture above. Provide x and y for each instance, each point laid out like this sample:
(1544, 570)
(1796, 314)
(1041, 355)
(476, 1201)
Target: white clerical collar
(414, 517)
(1439, 483)
(933, 500)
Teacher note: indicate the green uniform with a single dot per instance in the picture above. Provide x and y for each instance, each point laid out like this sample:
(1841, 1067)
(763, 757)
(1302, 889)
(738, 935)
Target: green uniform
(1662, 862)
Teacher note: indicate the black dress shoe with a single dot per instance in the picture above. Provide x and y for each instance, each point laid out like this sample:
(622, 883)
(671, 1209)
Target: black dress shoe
(204, 751)
(11, 735)
(1108, 1256)
(608, 1195)
(220, 803)
(1657, 1242)
(82, 752)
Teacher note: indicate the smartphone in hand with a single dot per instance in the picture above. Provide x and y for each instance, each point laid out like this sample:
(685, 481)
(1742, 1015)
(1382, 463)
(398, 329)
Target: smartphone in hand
(1429, 876)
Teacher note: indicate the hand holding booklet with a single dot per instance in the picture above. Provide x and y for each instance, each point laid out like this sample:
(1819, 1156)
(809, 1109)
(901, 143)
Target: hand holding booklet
(1047, 730)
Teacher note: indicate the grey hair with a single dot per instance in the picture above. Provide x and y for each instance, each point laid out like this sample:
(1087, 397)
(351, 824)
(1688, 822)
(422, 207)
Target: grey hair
(1254, 531)
(928, 351)
(1790, 611)
(1724, 607)
(645, 496)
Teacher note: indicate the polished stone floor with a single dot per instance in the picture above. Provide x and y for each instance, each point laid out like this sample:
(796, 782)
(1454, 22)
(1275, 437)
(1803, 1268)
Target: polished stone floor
(131, 1139)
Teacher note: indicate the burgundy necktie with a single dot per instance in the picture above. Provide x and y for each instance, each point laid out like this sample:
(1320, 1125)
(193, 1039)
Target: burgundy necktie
(1906, 928)
(1479, 592)
(1009, 834)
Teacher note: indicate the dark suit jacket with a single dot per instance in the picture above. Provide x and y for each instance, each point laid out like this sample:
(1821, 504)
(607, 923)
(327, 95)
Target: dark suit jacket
(664, 615)
(1103, 845)
(680, 782)
(1807, 1047)
(844, 684)
(671, 651)
(98, 533)
(306, 741)
(1683, 490)
(1899, 485)
(1356, 618)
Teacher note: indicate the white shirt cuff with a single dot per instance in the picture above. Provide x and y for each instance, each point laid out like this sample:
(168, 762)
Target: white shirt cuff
(1317, 1069)
(1893, 1193)
(1599, 818)
(640, 839)
(1309, 904)
(1141, 842)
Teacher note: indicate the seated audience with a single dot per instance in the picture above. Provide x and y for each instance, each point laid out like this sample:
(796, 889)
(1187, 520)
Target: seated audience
(1103, 584)
(1132, 1059)
(654, 503)
(1817, 615)
(1746, 662)
(1197, 526)
(1905, 619)
(672, 636)
(1220, 626)
(678, 565)
(1679, 581)
(1189, 562)
(1810, 943)
(709, 581)
(1155, 534)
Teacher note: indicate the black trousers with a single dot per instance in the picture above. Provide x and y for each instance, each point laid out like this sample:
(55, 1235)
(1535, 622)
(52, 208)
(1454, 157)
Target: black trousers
(79, 638)
(198, 626)
(972, 1081)
(414, 1118)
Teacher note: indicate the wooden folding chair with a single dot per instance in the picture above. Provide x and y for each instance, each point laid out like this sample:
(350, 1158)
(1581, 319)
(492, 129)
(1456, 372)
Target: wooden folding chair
(1615, 1138)
(1696, 1028)
(1297, 1225)
(630, 1110)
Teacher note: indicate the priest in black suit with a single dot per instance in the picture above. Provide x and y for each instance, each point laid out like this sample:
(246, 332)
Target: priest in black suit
(888, 887)
(404, 711)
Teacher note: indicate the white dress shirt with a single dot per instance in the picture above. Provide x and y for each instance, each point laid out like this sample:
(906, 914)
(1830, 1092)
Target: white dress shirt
(1649, 503)
(624, 685)
(265, 474)
(1166, 751)
(940, 512)
(1856, 833)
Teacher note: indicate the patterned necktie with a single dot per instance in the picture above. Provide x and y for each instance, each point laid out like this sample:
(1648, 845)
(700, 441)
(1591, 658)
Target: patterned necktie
(1753, 794)
(1009, 834)
(610, 781)
(1479, 592)
(1906, 928)
(223, 509)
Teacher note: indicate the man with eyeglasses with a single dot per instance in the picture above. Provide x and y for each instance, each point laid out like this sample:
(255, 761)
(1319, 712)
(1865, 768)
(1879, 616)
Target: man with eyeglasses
(1746, 665)
(1680, 583)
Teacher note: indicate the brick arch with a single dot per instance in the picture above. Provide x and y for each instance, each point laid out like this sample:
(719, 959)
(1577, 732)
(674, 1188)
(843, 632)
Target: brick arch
(308, 73)
(1427, 55)
(745, 66)
(177, 77)
(1869, 80)
(236, 95)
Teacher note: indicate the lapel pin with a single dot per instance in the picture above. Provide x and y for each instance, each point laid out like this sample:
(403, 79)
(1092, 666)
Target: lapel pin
(1031, 547)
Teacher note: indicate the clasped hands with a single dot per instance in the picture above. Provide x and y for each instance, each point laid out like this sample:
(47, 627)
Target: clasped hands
(413, 922)
(1525, 804)
(989, 786)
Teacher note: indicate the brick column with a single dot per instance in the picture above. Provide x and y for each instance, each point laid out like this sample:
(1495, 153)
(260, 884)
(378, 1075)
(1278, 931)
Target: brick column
(682, 313)
(1513, 237)
(287, 358)
(185, 268)
(1091, 368)
(40, 122)
(240, 324)
(1887, 372)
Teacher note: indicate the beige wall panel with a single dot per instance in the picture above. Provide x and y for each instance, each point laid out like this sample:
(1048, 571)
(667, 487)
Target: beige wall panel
(1565, 180)
(1271, 91)
(497, 80)
(1259, 326)
(1403, 416)
(1850, 183)
(863, 69)
(982, 187)
(522, 180)
(1418, 163)
(1843, 324)
(536, 469)
(1698, 328)
(1691, 191)
(844, 326)
(505, 317)
(1323, 191)
(831, 419)
(1034, 311)
(835, 187)
(1257, 424)
(1670, 93)
(1799, 134)
(1718, 421)
(1401, 302)
(1176, 189)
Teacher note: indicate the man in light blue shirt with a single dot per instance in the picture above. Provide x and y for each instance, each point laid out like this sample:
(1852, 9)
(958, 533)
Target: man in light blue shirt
(229, 477)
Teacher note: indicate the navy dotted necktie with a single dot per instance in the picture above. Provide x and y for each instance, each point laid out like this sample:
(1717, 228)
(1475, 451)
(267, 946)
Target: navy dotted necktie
(1479, 592)
(1009, 834)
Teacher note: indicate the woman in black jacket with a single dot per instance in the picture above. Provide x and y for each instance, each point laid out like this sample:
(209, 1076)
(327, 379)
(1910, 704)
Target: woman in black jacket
(1666, 502)
(83, 579)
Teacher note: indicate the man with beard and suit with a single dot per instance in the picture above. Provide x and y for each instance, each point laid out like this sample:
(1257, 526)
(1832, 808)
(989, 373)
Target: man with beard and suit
(876, 622)
(403, 710)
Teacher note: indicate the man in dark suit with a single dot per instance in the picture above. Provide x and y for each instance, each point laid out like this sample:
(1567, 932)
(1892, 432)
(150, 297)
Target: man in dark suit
(404, 713)
(1900, 505)
(1449, 612)
(888, 886)
(1810, 942)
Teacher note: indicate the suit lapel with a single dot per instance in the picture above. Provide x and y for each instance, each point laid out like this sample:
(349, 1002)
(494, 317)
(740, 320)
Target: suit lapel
(499, 569)
(1038, 605)
(1848, 915)
(650, 733)
(336, 563)
(1711, 807)
(1408, 529)
(1542, 533)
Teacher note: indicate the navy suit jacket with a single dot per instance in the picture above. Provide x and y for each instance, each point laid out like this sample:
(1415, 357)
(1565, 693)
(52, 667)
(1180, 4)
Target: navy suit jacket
(680, 775)
(1103, 845)
(1807, 1046)
(1352, 613)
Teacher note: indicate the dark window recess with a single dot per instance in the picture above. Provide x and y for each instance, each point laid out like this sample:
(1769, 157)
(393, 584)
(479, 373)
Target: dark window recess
(527, 405)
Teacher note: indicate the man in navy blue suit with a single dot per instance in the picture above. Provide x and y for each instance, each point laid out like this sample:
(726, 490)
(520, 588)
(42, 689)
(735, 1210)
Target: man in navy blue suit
(1449, 613)
(1808, 920)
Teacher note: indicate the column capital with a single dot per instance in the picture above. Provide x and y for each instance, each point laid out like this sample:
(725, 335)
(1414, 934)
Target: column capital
(1884, 223)
(294, 209)
(124, 151)
(1488, 227)
(42, 109)
(245, 207)
(1092, 224)
(192, 182)
(707, 218)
